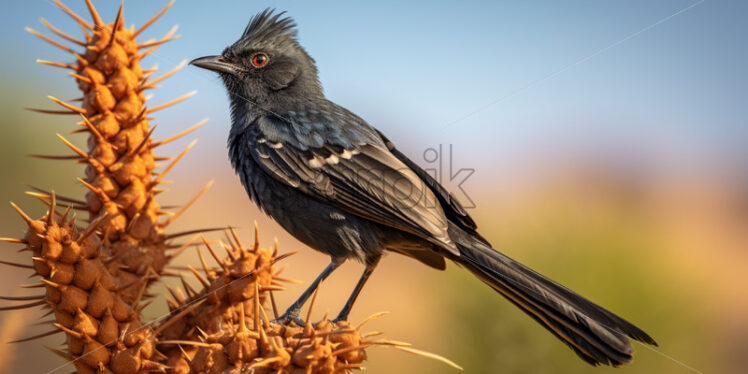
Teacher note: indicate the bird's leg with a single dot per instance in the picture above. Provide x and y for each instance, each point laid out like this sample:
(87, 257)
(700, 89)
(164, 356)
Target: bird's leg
(292, 313)
(371, 263)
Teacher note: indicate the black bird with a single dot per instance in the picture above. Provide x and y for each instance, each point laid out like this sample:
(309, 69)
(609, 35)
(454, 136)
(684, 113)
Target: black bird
(340, 186)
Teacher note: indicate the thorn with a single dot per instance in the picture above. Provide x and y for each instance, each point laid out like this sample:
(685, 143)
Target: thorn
(371, 318)
(60, 33)
(206, 269)
(287, 280)
(123, 333)
(62, 354)
(48, 333)
(202, 333)
(265, 318)
(264, 363)
(184, 342)
(257, 238)
(22, 214)
(16, 265)
(48, 40)
(13, 240)
(24, 306)
(284, 256)
(349, 349)
(371, 334)
(139, 310)
(275, 246)
(173, 102)
(150, 50)
(275, 307)
(65, 214)
(152, 20)
(236, 237)
(309, 312)
(100, 138)
(52, 208)
(59, 197)
(92, 227)
(173, 305)
(57, 64)
(190, 232)
(146, 138)
(68, 331)
(186, 206)
(177, 317)
(74, 148)
(228, 250)
(118, 21)
(136, 301)
(22, 298)
(187, 288)
(181, 134)
(158, 42)
(81, 78)
(232, 246)
(173, 163)
(153, 83)
(242, 322)
(94, 15)
(213, 253)
(182, 247)
(256, 307)
(67, 106)
(179, 298)
(186, 356)
(72, 14)
(429, 355)
(103, 196)
(55, 157)
(35, 285)
(199, 277)
(47, 111)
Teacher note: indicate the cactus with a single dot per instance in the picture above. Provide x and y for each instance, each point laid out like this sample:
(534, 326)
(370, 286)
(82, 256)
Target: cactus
(95, 276)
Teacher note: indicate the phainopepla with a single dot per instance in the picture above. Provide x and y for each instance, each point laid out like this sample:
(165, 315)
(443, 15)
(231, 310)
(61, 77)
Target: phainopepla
(340, 186)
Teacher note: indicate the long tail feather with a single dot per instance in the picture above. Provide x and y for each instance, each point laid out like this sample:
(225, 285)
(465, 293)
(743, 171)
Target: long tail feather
(597, 335)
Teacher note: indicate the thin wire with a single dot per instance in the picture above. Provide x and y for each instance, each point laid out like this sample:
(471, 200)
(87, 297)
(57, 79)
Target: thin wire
(567, 67)
(149, 323)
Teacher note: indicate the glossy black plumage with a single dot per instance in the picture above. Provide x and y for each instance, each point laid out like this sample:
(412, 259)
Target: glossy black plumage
(338, 185)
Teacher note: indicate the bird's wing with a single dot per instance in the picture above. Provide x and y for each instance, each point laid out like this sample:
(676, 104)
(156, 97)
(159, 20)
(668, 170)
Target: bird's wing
(452, 208)
(350, 168)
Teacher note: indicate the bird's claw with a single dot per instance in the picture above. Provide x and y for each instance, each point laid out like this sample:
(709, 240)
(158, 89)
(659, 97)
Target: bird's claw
(289, 317)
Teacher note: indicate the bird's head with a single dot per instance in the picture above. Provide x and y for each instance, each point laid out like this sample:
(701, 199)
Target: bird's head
(266, 63)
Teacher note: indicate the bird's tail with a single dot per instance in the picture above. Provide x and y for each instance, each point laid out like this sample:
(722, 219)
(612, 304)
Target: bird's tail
(595, 334)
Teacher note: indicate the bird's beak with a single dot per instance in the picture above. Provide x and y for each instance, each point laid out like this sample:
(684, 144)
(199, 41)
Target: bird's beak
(215, 63)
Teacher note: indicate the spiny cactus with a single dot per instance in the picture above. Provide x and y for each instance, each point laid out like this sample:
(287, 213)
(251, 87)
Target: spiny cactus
(120, 160)
(96, 276)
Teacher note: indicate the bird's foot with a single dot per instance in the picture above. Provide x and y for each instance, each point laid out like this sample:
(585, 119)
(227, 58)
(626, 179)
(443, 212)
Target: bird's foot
(340, 318)
(288, 317)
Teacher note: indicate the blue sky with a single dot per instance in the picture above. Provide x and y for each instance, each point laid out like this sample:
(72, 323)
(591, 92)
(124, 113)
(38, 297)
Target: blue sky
(509, 84)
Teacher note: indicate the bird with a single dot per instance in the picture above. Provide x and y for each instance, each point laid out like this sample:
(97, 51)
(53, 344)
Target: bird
(338, 185)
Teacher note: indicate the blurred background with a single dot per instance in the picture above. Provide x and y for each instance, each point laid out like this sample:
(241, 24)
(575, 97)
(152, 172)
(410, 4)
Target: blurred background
(608, 140)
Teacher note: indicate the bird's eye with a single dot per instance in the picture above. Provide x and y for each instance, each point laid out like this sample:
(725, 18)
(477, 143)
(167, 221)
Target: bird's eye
(260, 59)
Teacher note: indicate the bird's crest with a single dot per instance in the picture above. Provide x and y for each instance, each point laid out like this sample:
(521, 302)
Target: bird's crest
(268, 26)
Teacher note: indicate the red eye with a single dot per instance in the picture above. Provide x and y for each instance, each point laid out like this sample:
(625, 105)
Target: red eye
(259, 60)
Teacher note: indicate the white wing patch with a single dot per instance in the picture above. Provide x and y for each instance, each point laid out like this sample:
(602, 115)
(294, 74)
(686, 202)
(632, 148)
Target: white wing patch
(317, 162)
